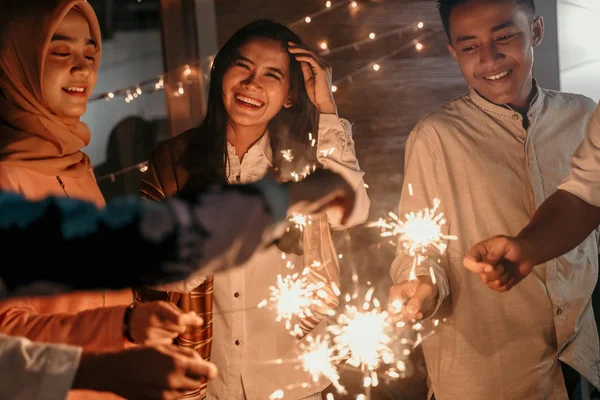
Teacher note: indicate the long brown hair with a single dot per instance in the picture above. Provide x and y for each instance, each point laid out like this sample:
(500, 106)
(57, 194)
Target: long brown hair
(206, 155)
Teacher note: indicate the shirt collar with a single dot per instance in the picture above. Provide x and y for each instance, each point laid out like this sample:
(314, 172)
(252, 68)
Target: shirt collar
(261, 148)
(505, 111)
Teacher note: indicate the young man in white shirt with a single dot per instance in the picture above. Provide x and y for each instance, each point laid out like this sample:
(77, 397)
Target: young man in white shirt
(492, 157)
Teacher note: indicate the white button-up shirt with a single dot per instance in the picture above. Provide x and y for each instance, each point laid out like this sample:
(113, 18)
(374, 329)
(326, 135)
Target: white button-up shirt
(584, 178)
(248, 340)
(491, 174)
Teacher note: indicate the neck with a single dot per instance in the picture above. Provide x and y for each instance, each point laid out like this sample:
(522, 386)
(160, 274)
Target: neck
(243, 137)
(522, 105)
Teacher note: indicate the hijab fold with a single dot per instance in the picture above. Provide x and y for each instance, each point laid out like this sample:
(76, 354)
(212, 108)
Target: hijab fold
(31, 136)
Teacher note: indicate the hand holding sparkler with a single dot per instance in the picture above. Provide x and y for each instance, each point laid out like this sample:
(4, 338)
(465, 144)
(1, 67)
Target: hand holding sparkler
(501, 261)
(320, 191)
(413, 299)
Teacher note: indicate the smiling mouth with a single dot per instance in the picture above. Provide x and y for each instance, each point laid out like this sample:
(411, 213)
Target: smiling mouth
(498, 76)
(75, 90)
(249, 101)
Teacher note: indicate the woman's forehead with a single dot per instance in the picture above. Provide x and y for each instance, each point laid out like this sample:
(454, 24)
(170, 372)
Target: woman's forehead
(266, 50)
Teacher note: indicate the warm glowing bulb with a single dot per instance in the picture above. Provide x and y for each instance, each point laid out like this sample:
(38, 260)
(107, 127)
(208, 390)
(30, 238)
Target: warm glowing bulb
(324, 45)
(419, 46)
(334, 88)
(376, 67)
(187, 71)
(328, 4)
(420, 25)
(354, 4)
(372, 35)
(307, 20)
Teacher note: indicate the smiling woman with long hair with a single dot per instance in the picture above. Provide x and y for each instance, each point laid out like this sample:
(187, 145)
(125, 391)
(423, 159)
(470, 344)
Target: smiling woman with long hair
(269, 93)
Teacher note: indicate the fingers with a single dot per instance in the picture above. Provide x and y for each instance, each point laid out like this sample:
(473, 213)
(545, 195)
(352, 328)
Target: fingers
(494, 275)
(399, 294)
(316, 67)
(198, 367)
(414, 306)
(486, 255)
(192, 363)
(473, 261)
(158, 336)
(306, 53)
(306, 72)
(174, 319)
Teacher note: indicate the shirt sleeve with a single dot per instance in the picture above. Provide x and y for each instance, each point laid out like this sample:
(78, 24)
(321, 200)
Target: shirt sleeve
(419, 190)
(335, 151)
(173, 239)
(36, 370)
(584, 177)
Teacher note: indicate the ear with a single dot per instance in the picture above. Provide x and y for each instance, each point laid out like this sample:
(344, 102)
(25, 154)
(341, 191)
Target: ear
(538, 31)
(452, 51)
(288, 103)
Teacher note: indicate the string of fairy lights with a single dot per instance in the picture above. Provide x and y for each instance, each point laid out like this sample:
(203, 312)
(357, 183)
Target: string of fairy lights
(178, 79)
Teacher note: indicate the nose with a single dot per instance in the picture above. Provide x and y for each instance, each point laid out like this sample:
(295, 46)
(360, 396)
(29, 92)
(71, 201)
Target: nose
(251, 82)
(81, 66)
(490, 55)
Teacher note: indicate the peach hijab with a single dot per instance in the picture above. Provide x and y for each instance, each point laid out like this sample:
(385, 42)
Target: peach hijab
(30, 135)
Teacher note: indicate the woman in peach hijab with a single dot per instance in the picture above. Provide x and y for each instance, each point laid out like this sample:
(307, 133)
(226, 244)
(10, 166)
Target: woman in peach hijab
(49, 57)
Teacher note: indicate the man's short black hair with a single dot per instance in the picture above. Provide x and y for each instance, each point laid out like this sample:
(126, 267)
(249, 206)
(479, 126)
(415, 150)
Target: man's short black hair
(445, 8)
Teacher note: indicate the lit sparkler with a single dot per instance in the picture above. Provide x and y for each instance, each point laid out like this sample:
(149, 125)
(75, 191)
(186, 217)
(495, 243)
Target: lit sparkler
(294, 296)
(418, 233)
(319, 360)
(300, 221)
(287, 155)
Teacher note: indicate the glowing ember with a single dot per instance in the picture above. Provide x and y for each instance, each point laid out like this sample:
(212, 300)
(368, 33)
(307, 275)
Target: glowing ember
(300, 221)
(287, 155)
(418, 233)
(294, 296)
(363, 336)
(318, 360)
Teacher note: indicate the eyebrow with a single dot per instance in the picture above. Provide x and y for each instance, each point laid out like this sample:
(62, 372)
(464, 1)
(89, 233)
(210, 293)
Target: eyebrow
(64, 38)
(272, 69)
(505, 24)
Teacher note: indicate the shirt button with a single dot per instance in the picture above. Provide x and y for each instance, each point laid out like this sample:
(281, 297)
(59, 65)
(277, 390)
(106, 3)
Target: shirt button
(236, 294)
(237, 342)
(559, 311)
(515, 117)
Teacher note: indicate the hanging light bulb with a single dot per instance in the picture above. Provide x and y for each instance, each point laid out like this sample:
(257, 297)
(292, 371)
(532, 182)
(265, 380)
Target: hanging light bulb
(323, 45)
(420, 25)
(376, 67)
(419, 46)
(372, 35)
(354, 4)
(328, 4)
(307, 20)
(333, 88)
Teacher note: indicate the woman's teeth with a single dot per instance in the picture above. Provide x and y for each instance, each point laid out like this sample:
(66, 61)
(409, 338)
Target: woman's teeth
(249, 100)
(74, 89)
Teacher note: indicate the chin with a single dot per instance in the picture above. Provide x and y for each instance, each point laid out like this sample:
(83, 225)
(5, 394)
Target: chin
(72, 115)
